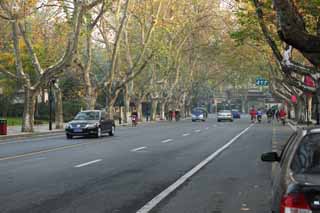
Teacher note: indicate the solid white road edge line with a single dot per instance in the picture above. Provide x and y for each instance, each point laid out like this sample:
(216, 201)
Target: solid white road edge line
(167, 141)
(186, 134)
(294, 128)
(88, 163)
(155, 201)
(138, 149)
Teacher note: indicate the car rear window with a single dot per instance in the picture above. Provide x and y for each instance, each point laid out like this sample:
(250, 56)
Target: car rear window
(225, 111)
(307, 156)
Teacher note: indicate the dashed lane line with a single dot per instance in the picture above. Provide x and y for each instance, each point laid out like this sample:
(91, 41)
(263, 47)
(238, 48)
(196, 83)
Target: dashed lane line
(167, 140)
(138, 149)
(88, 163)
(156, 200)
(185, 134)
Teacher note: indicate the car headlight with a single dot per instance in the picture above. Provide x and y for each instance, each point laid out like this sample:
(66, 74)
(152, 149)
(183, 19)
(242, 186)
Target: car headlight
(200, 116)
(91, 125)
(193, 116)
(68, 126)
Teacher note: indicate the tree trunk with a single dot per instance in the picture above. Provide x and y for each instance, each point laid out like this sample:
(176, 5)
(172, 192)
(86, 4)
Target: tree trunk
(309, 100)
(139, 109)
(300, 118)
(28, 110)
(91, 99)
(110, 106)
(154, 105)
(126, 105)
(162, 110)
(58, 107)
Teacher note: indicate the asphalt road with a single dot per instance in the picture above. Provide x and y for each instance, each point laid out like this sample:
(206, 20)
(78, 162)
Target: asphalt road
(125, 172)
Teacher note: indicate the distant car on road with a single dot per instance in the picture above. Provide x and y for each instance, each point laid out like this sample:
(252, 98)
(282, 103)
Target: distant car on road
(235, 114)
(90, 123)
(296, 181)
(224, 115)
(199, 114)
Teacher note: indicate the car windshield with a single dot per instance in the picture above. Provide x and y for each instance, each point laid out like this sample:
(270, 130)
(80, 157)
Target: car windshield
(197, 112)
(87, 116)
(224, 111)
(307, 156)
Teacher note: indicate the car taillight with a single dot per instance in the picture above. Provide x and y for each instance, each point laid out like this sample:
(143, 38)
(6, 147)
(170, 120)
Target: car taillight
(294, 203)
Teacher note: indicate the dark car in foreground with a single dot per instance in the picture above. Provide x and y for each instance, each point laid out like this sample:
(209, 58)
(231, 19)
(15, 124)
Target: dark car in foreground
(296, 181)
(90, 123)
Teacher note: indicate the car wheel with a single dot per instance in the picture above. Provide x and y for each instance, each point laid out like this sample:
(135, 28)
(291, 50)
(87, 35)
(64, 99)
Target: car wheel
(69, 136)
(111, 133)
(98, 134)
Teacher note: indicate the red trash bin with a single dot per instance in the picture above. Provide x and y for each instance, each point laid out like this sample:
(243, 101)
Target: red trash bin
(3, 127)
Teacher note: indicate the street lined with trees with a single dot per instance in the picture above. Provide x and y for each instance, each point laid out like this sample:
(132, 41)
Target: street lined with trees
(154, 56)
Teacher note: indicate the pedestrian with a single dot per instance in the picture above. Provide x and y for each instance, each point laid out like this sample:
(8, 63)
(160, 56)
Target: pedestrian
(269, 115)
(282, 115)
(170, 115)
(147, 115)
(173, 115)
(253, 114)
(277, 115)
(177, 113)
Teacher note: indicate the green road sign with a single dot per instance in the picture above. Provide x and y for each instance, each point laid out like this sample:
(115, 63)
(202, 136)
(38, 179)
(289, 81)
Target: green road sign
(261, 82)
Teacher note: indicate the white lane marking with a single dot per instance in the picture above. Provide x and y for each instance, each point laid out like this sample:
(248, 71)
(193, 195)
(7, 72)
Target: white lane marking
(155, 201)
(88, 163)
(198, 130)
(186, 134)
(294, 128)
(207, 128)
(138, 149)
(167, 141)
(34, 159)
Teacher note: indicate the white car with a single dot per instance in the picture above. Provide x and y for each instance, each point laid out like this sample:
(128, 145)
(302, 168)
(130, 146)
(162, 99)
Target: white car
(225, 115)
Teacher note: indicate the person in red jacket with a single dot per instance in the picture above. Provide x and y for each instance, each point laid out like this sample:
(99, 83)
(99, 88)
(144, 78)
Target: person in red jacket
(282, 115)
(253, 114)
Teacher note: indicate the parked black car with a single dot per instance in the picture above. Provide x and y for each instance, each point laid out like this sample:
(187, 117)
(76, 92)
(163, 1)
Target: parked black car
(296, 181)
(90, 122)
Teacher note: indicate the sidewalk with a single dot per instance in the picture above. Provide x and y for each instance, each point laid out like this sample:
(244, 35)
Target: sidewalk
(15, 131)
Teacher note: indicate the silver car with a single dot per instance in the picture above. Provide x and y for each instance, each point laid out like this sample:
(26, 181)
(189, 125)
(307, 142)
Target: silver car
(225, 115)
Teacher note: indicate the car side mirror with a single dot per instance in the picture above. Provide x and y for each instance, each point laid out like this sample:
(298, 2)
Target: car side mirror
(270, 157)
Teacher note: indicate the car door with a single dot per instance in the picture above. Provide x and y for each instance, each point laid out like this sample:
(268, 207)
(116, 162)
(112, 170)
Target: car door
(280, 170)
